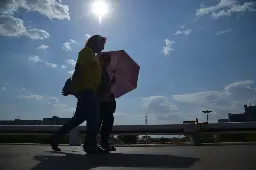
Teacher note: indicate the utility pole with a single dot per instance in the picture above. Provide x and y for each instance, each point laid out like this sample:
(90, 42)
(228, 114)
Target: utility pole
(207, 113)
(146, 122)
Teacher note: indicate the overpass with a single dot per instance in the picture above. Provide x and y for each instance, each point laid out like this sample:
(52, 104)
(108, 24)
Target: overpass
(192, 128)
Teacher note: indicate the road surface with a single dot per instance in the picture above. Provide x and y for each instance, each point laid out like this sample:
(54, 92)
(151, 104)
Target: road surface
(40, 157)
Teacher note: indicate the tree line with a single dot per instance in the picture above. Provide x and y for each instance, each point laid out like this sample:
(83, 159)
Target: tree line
(133, 139)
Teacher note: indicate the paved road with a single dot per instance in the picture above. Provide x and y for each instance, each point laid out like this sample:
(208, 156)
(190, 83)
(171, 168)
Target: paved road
(39, 157)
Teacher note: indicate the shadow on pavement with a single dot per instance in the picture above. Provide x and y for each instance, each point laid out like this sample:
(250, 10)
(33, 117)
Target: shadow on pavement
(85, 162)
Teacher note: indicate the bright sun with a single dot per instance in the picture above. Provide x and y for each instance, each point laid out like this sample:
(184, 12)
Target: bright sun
(100, 9)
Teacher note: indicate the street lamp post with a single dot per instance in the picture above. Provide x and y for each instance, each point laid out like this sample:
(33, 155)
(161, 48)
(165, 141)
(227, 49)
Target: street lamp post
(146, 122)
(207, 114)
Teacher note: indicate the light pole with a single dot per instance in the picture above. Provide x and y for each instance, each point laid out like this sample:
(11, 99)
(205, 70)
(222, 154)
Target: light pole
(207, 113)
(146, 122)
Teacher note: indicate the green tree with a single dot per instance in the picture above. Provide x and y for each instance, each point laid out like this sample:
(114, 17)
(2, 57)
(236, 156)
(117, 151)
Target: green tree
(128, 139)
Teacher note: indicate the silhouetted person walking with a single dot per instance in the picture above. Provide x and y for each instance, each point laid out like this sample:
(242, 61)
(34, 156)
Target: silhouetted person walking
(107, 103)
(84, 85)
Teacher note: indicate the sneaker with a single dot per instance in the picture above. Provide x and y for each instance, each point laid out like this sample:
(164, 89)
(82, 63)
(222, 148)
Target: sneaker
(54, 145)
(95, 150)
(109, 147)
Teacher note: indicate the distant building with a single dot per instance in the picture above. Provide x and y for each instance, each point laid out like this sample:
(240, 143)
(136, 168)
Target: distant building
(55, 121)
(223, 120)
(248, 115)
(46, 121)
(250, 112)
(21, 122)
(236, 117)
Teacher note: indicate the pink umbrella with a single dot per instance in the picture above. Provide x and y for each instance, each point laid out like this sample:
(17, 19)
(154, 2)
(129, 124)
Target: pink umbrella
(126, 71)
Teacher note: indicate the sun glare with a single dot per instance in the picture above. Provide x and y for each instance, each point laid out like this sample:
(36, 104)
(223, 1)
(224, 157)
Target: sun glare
(100, 9)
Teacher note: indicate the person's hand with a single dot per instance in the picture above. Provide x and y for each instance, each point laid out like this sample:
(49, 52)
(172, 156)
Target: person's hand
(66, 89)
(65, 93)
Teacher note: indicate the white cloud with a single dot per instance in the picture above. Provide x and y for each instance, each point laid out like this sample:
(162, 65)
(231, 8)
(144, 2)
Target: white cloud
(37, 34)
(32, 97)
(71, 62)
(185, 32)
(228, 100)
(159, 105)
(72, 41)
(160, 108)
(226, 8)
(67, 45)
(71, 72)
(63, 66)
(53, 100)
(62, 110)
(42, 47)
(167, 49)
(49, 99)
(50, 8)
(11, 26)
(223, 31)
(35, 59)
(87, 36)
(3, 88)
(50, 64)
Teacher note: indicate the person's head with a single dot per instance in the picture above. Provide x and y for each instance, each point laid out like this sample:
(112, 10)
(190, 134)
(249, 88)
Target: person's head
(96, 43)
(105, 60)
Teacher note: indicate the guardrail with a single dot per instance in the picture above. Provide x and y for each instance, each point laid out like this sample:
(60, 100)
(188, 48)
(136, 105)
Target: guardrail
(192, 129)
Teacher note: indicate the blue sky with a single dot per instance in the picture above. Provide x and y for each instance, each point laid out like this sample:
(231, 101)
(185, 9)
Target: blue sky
(194, 55)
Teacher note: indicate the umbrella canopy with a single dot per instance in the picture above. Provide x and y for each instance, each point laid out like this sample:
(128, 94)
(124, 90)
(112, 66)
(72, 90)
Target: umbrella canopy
(126, 71)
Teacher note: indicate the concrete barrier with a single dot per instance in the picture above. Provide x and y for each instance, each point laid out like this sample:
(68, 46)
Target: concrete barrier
(193, 129)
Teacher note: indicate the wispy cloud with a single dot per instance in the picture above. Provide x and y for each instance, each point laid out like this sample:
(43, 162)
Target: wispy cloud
(226, 8)
(72, 41)
(71, 72)
(87, 36)
(49, 99)
(15, 27)
(223, 31)
(53, 9)
(37, 34)
(42, 47)
(183, 32)
(63, 66)
(33, 97)
(36, 59)
(67, 45)
(167, 49)
(52, 65)
(71, 62)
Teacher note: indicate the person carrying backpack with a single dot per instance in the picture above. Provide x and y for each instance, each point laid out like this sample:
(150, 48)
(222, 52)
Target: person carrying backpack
(84, 85)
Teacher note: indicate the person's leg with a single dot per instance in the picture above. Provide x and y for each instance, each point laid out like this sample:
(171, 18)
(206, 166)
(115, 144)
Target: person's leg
(100, 117)
(90, 104)
(76, 120)
(108, 121)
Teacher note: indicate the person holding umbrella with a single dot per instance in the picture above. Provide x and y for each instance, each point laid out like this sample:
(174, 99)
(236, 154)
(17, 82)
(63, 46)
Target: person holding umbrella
(119, 77)
(107, 103)
(84, 85)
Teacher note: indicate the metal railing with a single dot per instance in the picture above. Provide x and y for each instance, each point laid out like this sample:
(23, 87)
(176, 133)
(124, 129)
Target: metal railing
(192, 129)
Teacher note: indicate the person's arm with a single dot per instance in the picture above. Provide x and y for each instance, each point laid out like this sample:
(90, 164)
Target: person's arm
(106, 90)
(83, 57)
(77, 72)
